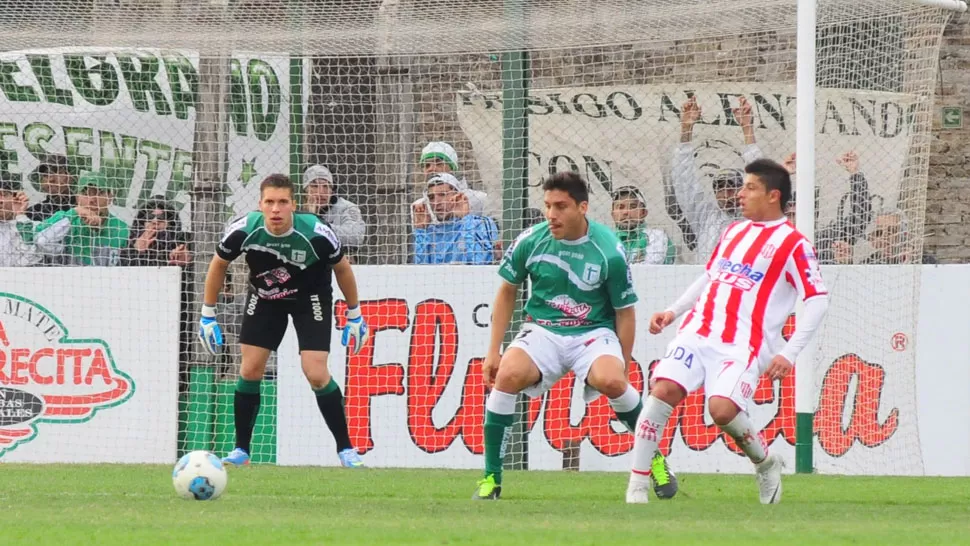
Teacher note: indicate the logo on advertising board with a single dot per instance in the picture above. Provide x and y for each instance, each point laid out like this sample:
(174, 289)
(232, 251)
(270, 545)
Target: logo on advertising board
(49, 378)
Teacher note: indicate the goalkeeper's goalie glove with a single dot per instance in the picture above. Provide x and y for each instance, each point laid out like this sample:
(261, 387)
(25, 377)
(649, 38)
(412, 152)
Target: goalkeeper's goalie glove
(210, 334)
(356, 329)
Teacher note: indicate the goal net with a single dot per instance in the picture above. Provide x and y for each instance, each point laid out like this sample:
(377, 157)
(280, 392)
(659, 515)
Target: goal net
(184, 107)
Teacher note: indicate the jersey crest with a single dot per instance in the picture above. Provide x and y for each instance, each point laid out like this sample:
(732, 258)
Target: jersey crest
(591, 273)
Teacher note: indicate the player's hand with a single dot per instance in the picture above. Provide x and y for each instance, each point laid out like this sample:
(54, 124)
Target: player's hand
(659, 321)
(210, 334)
(355, 329)
(779, 368)
(490, 368)
(849, 161)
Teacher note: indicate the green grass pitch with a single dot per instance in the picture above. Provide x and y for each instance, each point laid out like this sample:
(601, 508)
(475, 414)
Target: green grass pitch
(111, 505)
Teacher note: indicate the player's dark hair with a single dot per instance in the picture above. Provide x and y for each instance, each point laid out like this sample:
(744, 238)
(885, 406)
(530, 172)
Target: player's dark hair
(569, 182)
(277, 181)
(773, 176)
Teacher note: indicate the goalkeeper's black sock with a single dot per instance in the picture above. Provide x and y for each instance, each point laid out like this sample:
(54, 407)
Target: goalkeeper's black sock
(245, 405)
(331, 404)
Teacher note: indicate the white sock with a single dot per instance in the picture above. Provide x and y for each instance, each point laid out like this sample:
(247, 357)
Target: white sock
(747, 438)
(627, 401)
(650, 428)
(501, 403)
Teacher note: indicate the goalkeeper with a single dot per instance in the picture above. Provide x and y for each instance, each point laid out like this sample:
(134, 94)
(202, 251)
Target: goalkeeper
(290, 255)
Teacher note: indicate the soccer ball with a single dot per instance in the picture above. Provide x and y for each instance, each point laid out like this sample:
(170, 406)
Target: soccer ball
(199, 475)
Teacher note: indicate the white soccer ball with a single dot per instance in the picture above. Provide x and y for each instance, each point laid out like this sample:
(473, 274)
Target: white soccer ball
(200, 475)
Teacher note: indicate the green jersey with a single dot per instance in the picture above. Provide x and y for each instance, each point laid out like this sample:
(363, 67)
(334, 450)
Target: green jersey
(69, 240)
(648, 246)
(576, 285)
(284, 266)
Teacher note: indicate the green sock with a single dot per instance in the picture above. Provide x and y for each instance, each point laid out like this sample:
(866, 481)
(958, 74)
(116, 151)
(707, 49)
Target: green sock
(498, 429)
(629, 418)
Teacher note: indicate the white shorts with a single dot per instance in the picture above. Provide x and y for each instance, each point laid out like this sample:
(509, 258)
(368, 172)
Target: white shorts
(724, 370)
(556, 355)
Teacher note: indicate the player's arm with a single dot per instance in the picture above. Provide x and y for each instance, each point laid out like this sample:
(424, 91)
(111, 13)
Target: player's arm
(228, 249)
(502, 308)
(659, 321)
(802, 268)
(327, 246)
(623, 297)
(626, 331)
(513, 273)
(346, 281)
(215, 279)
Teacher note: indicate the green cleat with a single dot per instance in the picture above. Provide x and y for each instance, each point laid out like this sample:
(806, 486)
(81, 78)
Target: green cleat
(487, 489)
(664, 481)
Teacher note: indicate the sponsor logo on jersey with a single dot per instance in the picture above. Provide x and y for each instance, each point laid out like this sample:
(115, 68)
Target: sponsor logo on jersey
(569, 306)
(323, 229)
(739, 275)
(275, 276)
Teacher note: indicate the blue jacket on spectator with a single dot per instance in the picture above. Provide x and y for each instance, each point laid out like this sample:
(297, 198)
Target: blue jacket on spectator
(467, 240)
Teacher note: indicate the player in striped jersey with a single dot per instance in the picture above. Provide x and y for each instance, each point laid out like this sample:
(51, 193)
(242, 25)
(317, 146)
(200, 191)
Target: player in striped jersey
(733, 330)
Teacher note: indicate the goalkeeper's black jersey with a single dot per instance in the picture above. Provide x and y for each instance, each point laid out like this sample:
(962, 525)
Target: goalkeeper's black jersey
(284, 266)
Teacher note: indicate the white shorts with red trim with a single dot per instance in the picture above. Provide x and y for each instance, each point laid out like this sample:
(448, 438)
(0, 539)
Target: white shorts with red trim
(556, 355)
(723, 370)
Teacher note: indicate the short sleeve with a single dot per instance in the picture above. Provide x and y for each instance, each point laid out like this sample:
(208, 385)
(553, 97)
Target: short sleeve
(803, 272)
(513, 268)
(619, 282)
(230, 246)
(326, 244)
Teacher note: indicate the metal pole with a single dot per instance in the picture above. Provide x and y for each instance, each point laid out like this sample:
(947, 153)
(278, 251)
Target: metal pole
(805, 222)
(515, 187)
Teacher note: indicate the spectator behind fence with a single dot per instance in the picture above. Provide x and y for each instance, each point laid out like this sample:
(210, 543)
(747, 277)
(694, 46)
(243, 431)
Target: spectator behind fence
(459, 237)
(437, 158)
(343, 216)
(52, 178)
(16, 231)
(835, 240)
(156, 237)
(891, 240)
(707, 212)
(87, 234)
(641, 243)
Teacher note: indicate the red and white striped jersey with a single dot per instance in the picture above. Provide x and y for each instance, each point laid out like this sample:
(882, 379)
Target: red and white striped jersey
(755, 273)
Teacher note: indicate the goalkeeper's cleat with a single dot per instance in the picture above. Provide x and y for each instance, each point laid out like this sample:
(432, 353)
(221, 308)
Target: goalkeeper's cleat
(238, 457)
(664, 480)
(487, 489)
(768, 475)
(349, 458)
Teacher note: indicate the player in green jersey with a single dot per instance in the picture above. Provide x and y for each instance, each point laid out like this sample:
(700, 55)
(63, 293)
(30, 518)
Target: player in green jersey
(579, 318)
(290, 257)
